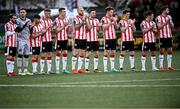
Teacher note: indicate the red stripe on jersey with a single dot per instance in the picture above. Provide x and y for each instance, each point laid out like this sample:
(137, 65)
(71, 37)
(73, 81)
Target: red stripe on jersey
(62, 35)
(81, 32)
(36, 42)
(109, 33)
(127, 35)
(10, 41)
(92, 34)
(164, 32)
(46, 23)
(149, 36)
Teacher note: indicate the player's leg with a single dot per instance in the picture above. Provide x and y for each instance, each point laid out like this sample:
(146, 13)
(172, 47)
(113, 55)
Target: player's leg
(122, 55)
(81, 56)
(11, 53)
(74, 56)
(20, 58)
(74, 60)
(42, 62)
(96, 61)
(143, 61)
(34, 63)
(80, 61)
(105, 54)
(131, 57)
(58, 55)
(49, 62)
(64, 61)
(96, 56)
(112, 55)
(153, 60)
(49, 58)
(153, 56)
(169, 46)
(87, 59)
(26, 58)
(169, 58)
(64, 47)
(161, 53)
(143, 57)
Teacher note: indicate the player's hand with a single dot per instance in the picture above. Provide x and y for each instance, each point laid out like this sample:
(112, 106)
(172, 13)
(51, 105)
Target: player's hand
(132, 21)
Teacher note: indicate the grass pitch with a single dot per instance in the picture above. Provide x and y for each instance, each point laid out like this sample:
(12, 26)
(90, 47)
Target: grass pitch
(150, 89)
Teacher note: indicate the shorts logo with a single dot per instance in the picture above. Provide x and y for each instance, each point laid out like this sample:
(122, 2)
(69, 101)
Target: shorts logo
(10, 51)
(123, 46)
(58, 46)
(33, 50)
(87, 46)
(43, 48)
(145, 46)
(106, 45)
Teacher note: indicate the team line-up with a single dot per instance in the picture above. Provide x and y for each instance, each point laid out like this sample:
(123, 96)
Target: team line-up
(23, 35)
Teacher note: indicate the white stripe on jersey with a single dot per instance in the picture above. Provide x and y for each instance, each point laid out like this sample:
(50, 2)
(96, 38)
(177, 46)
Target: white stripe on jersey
(36, 42)
(10, 41)
(110, 32)
(92, 34)
(46, 23)
(62, 35)
(164, 32)
(127, 35)
(149, 36)
(81, 32)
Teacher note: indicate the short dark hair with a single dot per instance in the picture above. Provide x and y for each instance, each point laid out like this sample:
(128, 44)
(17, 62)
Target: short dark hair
(36, 16)
(47, 10)
(126, 11)
(164, 8)
(11, 15)
(149, 12)
(60, 9)
(90, 10)
(108, 9)
(23, 9)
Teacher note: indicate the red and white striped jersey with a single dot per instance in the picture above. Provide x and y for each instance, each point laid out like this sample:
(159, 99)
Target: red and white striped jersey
(92, 34)
(10, 41)
(109, 33)
(149, 36)
(36, 42)
(62, 35)
(164, 32)
(127, 35)
(81, 32)
(46, 23)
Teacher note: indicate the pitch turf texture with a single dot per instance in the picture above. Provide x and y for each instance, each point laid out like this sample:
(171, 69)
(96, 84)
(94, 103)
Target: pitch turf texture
(150, 89)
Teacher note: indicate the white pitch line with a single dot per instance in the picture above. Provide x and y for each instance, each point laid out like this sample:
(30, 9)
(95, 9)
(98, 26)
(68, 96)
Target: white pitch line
(95, 84)
(119, 81)
(90, 86)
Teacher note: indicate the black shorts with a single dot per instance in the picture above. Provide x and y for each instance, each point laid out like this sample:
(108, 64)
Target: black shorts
(92, 46)
(127, 46)
(62, 45)
(80, 44)
(149, 47)
(35, 50)
(110, 44)
(46, 46)
(10, 51)
(166, 42)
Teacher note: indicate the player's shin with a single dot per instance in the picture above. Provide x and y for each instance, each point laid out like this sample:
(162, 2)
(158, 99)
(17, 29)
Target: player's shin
(64, 60)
